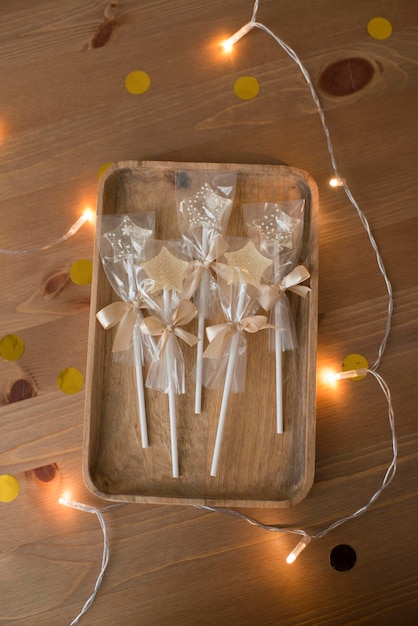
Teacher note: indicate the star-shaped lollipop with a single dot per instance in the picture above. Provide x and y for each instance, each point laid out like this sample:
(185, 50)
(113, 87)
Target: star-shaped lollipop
(166, 270)
(276, 225)
(247, 265)
(206, 209)
(127, 239)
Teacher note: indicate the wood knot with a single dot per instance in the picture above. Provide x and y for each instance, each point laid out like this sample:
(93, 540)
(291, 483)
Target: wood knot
(102, 34)
(21, 390)
(347, 76)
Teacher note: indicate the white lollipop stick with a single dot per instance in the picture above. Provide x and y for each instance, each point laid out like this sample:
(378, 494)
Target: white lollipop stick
(228, 384)
(140, 388)
(201, 327)
(278, 347)
(171, 393)
(137, 344)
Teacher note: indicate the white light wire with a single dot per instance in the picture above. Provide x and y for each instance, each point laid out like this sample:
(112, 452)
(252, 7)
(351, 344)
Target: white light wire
(391, 470)
(70, 233)
(105, 556)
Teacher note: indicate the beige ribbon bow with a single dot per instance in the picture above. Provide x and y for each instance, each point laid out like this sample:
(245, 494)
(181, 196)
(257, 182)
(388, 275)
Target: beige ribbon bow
(219, 334)
(184, 314)
(270, 294)
(217, 248)
(124, 314)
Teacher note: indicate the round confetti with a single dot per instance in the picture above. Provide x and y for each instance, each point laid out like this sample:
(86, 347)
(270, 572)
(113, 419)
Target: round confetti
(379, 28)
(9, 488)
(11, 347)
(246, 87)
(355, 362)
(103, 168)
(81, 272)
(137, 82)
(70, 380)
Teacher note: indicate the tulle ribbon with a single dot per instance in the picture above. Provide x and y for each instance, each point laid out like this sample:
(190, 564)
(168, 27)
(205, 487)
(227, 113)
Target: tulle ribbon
(270, 294)
(220, 334)
(154, 326)
(125, 315)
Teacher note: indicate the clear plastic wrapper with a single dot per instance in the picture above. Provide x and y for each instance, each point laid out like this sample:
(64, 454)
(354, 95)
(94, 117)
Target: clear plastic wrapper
(239, 277)
(204, 201)
(279, 228)
(122, 239)
(166, 266)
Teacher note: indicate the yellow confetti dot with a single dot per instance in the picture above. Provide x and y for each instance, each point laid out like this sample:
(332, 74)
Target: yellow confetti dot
(137, 82)
(81, 272)
(246, 87)
(379, 28)
(9, 488)
(103, 168)
(11, 347)
(355, 362)
(70, 380)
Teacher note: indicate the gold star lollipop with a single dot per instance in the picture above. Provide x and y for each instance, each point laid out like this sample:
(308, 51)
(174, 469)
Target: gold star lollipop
(166, 270)
(247, 265)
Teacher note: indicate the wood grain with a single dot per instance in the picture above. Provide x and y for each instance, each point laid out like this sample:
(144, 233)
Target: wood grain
(64, 113)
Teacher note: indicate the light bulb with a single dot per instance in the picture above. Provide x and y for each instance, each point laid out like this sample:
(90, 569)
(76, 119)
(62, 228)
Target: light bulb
(337, 182)
(228, 44)
(306, 540)
(89, 215)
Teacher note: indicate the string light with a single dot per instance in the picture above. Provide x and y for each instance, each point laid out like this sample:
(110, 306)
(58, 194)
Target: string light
(88, 215)
(332, 377)
(65, 501)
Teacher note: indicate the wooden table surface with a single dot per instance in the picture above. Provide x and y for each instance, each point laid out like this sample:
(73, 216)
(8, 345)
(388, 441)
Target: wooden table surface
(65, 112)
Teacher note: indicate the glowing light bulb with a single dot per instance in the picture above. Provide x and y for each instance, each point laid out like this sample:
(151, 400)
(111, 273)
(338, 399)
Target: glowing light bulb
(228, 44)
(306, 540)
(89, 215)
(337, 182)
(350, 374)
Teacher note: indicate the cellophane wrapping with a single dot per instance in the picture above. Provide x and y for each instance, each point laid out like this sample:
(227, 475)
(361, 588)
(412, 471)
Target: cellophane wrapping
(204, 201)
(121, 242)
(162, 302)
(279, 228)
(238, 301)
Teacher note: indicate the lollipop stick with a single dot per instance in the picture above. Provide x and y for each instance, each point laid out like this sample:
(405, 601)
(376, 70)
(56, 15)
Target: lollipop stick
(228, 384)
(138, 364)
(171, 393)
(140, 388)
(279, 377)
(278, 348)
(201, 328)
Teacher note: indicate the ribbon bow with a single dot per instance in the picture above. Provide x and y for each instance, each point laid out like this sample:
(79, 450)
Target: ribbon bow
(270, 294)
(184, 314)
(124, 314)
(219, 334)
(217, 247)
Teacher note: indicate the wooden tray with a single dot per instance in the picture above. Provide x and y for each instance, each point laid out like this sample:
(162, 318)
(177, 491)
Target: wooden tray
(257, 467)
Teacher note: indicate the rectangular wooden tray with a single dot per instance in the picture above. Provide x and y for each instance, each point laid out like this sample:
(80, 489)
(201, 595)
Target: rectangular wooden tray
(257, 468)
